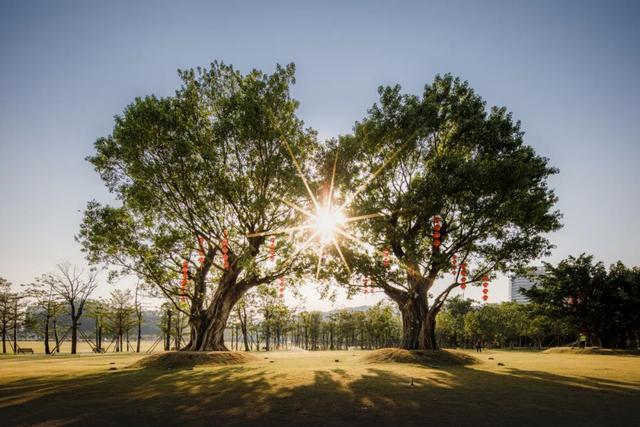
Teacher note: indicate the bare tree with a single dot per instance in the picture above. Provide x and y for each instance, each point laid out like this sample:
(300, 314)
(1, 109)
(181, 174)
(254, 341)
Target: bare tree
(74, 286)
(120, 316)
(7, 310)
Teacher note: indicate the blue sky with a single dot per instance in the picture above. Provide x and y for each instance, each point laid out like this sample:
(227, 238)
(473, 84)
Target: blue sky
(568, 70)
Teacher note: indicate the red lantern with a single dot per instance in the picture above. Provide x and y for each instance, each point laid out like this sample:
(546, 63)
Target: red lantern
(385, 258)
(281, 288)
(454, 264)
(201, 257)
(185, 279)
(366, 285)
(225, 251)
(485, 286)
(463, 286)
(436, 232)
(272, 248)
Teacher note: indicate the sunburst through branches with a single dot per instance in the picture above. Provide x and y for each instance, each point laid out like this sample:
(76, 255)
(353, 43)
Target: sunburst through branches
(327, 222)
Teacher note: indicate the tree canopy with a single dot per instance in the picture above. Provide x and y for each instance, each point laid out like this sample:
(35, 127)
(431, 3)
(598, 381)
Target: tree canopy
(442, 157)
(208, 165)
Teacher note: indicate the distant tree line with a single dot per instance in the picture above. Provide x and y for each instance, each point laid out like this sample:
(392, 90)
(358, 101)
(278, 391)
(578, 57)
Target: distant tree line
(575, 297)
(274, 326)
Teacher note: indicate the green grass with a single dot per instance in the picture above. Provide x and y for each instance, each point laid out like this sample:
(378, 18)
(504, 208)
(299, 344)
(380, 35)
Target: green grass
(311, 388)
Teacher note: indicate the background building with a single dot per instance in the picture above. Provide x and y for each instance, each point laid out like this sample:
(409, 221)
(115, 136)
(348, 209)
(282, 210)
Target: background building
(519, 282)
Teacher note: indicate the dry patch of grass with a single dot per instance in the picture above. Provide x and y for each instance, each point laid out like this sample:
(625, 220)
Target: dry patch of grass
(189, 359)
(431, 358)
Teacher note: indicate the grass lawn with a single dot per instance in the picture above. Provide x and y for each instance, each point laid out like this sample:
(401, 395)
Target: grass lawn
(312, 388)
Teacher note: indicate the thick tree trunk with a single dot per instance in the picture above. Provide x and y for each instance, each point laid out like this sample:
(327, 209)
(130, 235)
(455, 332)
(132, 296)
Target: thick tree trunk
(207, 330)
(418, 322)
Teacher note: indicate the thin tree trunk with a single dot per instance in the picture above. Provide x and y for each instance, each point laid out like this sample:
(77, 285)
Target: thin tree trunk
(55, 335)
(15, 327)
(74, 334)
(242, 315)
(47, 350)
(167, 344)
(139, 333)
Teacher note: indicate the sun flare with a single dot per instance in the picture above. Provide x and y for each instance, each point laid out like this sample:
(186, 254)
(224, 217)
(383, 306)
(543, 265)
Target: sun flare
(327, 222)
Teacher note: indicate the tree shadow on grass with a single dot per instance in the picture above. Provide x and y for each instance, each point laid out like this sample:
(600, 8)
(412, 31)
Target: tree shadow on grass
(371, 395)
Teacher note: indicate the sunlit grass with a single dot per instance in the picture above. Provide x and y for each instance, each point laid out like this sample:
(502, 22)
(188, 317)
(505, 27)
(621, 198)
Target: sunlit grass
(327, 388)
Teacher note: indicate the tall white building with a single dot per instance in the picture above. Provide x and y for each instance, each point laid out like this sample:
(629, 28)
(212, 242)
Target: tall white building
(520, 282)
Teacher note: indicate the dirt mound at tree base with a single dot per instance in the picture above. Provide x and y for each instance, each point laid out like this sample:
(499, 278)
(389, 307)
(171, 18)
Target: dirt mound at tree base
(421, 357)
(590, 350)
(189, 359)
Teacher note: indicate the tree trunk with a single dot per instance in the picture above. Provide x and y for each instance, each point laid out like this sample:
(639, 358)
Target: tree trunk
(418, 325)
(207, 330)
(167, 343)
(74, 334)
(47, 350)
(242, 315)
(55, 335)
(139, 334)
(15, 327)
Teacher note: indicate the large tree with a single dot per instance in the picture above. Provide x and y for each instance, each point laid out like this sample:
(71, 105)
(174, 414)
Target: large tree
(442, 154)
(210, 164)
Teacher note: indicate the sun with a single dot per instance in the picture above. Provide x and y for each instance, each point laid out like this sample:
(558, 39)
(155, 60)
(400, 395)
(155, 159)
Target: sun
(327, 222)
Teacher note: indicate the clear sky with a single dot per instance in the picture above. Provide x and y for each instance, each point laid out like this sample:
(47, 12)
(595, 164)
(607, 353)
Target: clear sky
(568, 70)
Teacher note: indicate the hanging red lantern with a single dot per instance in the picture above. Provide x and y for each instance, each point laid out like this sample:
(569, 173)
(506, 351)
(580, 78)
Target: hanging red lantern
(201, 257)
(485, 286)
(272, 248)
(225, 251)
(463, 275)
(436, 232)
(385, 258)
(454, 264)
(366, 285)
(185, 279)
(281, 287)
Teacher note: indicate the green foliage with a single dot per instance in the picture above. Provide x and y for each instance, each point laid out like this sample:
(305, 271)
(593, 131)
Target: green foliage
(441, 154)
(190, 167)
(604, 304)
